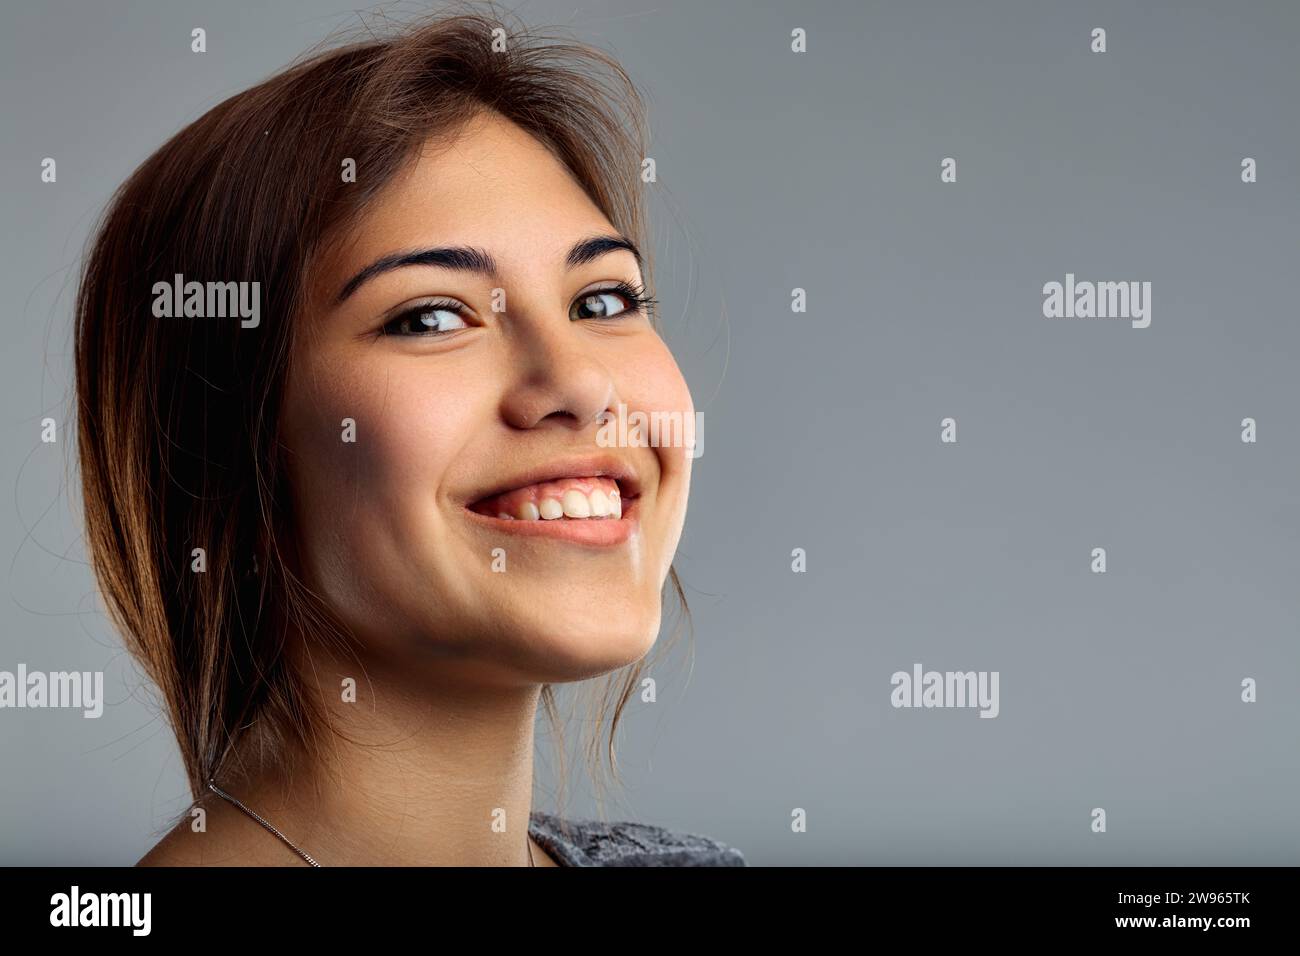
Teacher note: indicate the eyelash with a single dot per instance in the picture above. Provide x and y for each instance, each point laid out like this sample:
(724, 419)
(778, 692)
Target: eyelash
(636, 295)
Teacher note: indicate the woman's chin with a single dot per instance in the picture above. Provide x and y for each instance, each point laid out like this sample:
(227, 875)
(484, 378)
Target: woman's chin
(578, 647)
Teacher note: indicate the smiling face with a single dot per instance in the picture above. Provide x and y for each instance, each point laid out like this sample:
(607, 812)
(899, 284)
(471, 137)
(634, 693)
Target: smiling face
(477, 383)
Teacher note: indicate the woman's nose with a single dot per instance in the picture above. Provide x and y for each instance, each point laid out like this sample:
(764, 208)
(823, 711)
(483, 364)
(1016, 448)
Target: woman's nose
(557, 376)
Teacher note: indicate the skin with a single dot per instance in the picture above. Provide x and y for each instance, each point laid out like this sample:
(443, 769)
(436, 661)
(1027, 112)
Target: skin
(453, 654)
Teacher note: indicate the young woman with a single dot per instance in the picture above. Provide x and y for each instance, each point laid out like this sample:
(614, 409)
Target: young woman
(345, 349)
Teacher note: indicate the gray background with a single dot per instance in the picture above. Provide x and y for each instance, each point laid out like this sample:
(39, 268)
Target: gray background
(822, 429)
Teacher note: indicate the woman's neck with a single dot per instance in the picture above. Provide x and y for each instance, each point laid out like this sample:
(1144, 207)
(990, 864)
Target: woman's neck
(427, 776)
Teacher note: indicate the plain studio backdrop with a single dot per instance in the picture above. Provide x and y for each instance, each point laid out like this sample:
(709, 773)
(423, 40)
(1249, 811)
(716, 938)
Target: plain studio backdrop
(821, 171)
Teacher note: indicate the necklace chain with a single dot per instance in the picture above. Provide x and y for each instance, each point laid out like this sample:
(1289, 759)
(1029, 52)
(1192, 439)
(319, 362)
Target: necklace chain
(303, 853)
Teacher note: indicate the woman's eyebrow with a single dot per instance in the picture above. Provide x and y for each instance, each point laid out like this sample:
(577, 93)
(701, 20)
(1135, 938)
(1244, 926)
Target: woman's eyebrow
(469, 259)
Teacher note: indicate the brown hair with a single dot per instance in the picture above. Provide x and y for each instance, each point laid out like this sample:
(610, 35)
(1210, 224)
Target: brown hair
(178, 418)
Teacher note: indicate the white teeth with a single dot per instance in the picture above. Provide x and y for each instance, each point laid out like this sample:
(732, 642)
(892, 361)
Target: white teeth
(576, 504)
(573, 503)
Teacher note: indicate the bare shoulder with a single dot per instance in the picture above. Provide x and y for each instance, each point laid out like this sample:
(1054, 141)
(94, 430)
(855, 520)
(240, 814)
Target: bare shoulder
(223, 839)
(174, 849)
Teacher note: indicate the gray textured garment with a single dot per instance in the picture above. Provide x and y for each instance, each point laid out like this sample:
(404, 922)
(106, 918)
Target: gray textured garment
(578, 842)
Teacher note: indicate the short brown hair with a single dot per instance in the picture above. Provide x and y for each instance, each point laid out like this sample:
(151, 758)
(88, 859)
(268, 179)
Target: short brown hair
(178, 420)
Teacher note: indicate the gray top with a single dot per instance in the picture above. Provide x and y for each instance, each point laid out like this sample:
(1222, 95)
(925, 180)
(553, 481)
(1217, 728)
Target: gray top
(578, 842)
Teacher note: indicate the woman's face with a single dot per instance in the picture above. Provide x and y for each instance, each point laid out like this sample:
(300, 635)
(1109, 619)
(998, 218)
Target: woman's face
(477, 394)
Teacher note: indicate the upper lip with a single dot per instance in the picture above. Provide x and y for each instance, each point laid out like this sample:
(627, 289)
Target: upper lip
(586, 466)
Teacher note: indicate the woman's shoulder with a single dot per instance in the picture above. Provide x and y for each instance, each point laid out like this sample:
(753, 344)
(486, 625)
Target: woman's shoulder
(574, 841)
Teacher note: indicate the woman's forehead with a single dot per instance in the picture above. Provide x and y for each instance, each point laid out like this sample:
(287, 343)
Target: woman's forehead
(494, 188)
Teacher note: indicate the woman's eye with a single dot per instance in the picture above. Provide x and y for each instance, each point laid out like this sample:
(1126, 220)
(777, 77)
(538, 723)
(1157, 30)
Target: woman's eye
(426, 320)
(602, 304)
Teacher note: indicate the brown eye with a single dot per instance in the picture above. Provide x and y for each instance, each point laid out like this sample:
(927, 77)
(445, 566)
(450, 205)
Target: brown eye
(600, 305)
(430, 319)
(605, 303)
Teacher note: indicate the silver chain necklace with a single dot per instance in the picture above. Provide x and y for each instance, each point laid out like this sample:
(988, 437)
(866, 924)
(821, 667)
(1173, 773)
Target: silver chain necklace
(302, 853)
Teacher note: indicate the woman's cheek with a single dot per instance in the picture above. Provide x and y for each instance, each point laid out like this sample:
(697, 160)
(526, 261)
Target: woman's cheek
(380, 426)
(664, 389)
(661, 387)
(368, 455)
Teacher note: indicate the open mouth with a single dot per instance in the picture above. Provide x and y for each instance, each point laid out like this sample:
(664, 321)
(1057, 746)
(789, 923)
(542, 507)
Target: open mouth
(587, 498)
(591, 501)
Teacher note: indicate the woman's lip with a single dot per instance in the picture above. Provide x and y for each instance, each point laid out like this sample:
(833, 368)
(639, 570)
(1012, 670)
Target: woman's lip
(586, 466)
(597, 532)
